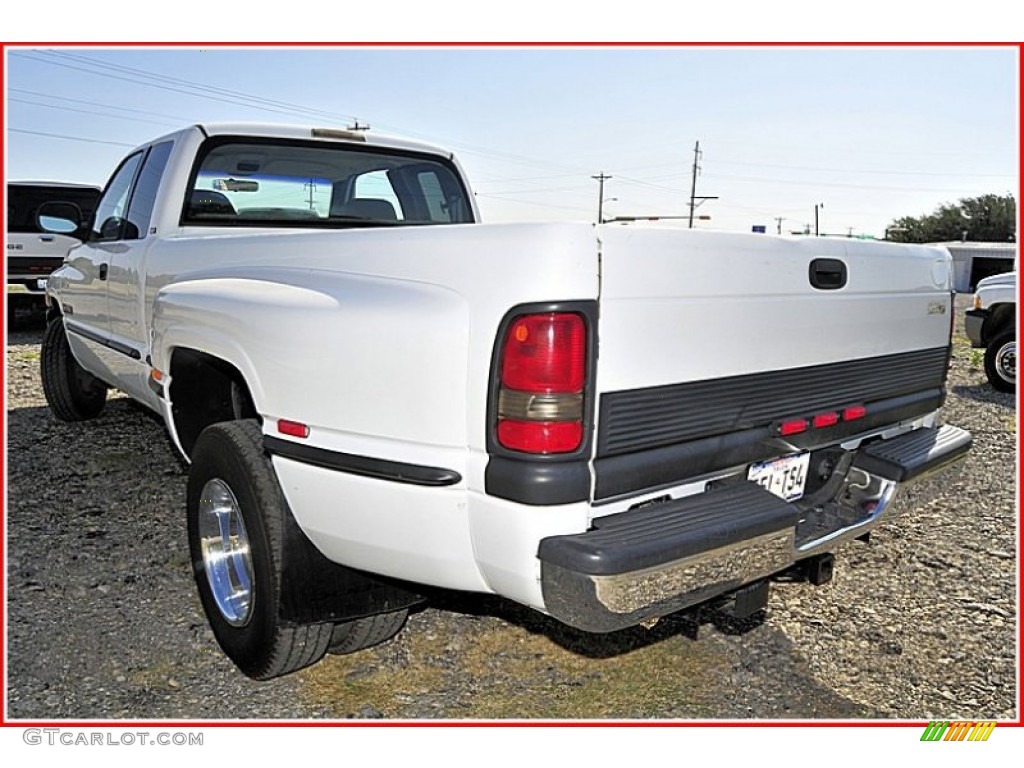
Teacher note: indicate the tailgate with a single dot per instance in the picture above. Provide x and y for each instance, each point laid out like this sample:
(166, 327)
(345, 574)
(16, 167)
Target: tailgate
(32, 255)
(709, 339)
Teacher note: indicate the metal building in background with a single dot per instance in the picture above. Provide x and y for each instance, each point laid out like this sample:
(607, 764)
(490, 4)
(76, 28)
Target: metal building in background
(974, 261)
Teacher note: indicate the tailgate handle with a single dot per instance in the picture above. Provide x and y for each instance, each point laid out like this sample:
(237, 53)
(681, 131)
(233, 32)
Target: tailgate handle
(827, 274)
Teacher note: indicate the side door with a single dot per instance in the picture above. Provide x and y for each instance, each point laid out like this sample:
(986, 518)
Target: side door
(127, 275)
(84, 293)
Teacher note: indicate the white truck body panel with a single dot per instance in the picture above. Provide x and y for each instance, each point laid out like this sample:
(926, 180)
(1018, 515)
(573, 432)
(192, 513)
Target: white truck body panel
(691, 305)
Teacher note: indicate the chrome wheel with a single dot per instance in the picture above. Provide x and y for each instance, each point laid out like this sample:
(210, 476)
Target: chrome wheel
(225, 548)
(1006, 361)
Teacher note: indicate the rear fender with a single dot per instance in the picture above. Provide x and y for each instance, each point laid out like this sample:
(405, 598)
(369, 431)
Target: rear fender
(346, 354)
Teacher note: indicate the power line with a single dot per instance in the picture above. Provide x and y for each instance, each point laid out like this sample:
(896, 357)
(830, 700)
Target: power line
(92, 103)
(762, 180)
(857, 170)
(537, 205)
(85, 111)
(70, 138)
(543, 190)
(218, 98)
(221, 95)
(156, 76)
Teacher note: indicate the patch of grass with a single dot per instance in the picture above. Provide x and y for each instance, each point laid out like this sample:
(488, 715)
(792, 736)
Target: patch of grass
(510, 672)
(539, 679)
(348, 684)
(28, 355)
(155, 676)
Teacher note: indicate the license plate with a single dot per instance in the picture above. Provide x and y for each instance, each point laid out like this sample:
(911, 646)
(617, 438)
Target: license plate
(784, 477)
(41, 284)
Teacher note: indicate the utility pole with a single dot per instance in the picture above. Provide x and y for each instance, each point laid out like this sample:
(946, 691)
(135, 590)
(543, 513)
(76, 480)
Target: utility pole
(601, 178)
(693, 184)
(311, 186)
(816, 207)
(778, 224)
(357, 127)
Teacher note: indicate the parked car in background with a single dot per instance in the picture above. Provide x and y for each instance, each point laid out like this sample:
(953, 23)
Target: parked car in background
(32, 251)
(992, 325)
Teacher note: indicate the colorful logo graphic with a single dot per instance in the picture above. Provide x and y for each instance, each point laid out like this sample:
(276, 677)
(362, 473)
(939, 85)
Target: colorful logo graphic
(962, 730)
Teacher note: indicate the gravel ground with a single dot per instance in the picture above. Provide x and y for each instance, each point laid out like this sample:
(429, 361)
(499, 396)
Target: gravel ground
(104, 622)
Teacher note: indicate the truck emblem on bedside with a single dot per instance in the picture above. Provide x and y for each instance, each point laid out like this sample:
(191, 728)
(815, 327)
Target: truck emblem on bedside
(936, 308)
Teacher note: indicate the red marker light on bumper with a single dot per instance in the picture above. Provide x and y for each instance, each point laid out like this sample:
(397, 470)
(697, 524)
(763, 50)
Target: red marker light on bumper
(854, 412)
(823, 420)
(793, 427)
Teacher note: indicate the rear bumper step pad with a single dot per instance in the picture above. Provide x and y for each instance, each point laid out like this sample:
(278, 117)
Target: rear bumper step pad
(689, 550)
(914, 454)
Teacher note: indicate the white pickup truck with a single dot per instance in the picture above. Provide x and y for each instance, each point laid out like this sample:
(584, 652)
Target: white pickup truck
(376, 392)
(992, 325)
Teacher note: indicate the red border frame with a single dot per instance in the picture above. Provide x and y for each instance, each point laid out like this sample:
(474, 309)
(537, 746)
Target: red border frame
(5, 723)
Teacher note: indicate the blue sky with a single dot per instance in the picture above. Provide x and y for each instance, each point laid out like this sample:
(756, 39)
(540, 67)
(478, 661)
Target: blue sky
(870, 134)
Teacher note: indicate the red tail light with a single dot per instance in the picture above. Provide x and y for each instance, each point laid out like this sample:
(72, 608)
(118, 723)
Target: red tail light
(540, 436)
(543, 371)
(545, 353)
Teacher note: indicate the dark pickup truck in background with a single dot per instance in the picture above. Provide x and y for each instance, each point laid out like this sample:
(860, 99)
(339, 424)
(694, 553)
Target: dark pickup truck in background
(32, 252)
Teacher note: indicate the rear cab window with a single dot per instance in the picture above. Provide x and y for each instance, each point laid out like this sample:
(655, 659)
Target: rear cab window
(261, 182)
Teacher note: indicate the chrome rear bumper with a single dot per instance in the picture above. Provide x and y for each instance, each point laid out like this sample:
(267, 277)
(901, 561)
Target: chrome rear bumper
(649, 562)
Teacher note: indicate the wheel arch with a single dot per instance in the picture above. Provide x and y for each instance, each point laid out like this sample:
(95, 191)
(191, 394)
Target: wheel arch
(1000, 317)
(206, 388)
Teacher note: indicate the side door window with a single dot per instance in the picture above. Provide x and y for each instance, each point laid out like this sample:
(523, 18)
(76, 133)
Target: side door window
(110, 221)
(140, 207)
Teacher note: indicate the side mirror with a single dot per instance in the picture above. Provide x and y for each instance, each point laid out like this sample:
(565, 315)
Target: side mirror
(59, 218)
(116, 228)
(110, 229)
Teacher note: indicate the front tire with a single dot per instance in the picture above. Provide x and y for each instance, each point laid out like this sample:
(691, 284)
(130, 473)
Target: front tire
(1001, 361)
(236, 518)
(72, 393)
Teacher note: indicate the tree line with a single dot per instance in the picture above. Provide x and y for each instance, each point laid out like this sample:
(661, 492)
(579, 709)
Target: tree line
(988, 218)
